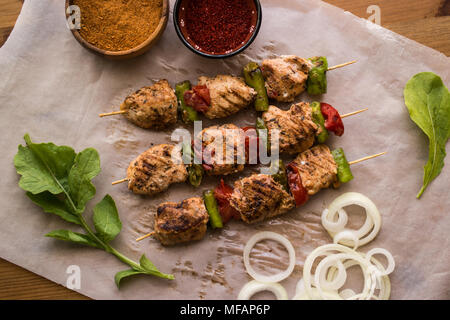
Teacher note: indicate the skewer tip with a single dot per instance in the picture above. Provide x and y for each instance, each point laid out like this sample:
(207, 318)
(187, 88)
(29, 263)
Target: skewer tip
(342, 65)
(145, 236)
(367, 158)
(353, 113)
(101, 115)
(119, 181)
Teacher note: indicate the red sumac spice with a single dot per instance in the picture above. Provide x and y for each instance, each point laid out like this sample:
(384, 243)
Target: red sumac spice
(217, 26)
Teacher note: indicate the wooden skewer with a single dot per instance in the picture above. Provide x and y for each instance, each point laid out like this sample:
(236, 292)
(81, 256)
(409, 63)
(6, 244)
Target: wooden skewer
(146, 236)
(350, 163)
(343, 116)
(341, 65)
(366, 158)
(353, 113)
(119, 181)
(101, 115)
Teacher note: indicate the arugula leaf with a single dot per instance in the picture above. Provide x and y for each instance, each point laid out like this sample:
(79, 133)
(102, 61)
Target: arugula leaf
(123, 274)
(106, 219)
(150, 268)
(76, 237)
(59, 181)
(43, 167)
(85, 167)
(146, 267)
(428, 103)
(51, 204)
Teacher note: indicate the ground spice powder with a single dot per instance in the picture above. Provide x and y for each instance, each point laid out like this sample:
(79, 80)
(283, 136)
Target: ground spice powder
(218, 26)
(118, 25)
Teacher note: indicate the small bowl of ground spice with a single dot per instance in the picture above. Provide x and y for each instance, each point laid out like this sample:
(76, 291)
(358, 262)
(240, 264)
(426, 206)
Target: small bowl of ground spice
(217, 28)
(120, 29)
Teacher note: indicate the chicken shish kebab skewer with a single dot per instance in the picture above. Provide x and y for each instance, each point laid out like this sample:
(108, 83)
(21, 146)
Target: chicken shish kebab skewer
(302, 125)
(285, 77)
(153, 171)
(253, 198)
(150, 107)
(157, 106)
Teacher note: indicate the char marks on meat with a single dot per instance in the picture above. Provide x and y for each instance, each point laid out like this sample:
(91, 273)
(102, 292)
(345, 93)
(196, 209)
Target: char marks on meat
(153, 107)
(181, 222)
(229, 137)
(153, 171)
(317, 168)
(296, 127)
(229, 95)
(259, 197)
(285, 77)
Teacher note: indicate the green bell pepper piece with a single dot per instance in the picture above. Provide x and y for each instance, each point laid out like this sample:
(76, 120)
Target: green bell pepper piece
(215, 218)
(317, 78)
(280, 176)
(260, 126)
(320, 121)
(254, 78)
(195, 171)
(344, 172)
(188, 114)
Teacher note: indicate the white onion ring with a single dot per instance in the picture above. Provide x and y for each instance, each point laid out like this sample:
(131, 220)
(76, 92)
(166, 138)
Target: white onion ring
(366, 227)
(300, 288)
(371, 225)
(347, 294)
(382, 282)
(301, 296)
(321, 271)
(349, 235)
(391, 262)
(253, 287)
(332, 226)
(344, 254)
(269, 236)
(300, 293)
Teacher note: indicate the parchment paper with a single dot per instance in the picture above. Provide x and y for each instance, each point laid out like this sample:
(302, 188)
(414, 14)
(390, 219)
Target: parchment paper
(54, 89)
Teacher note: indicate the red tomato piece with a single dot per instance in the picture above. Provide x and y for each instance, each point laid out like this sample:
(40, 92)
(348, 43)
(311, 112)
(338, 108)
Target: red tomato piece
(222, 193)
(250, 136)
(195, 101)
(333, 121)
(295, 185)
(203, 92)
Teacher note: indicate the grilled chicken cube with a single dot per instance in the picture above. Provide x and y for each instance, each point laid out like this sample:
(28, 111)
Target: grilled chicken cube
(297, 130)
(285, 77)
(229, 137)
(259, 197)
(181, 222)
(154, 170)
(152, 107)
(317, 169)
(229, 95)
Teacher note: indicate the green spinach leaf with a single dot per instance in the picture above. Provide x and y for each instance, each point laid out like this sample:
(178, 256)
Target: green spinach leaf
(124, 274)
(59, 181)
(428, 103)
(146, 267)
(71, 236)
(43, 167)
(150, 268)
(85, 167)
(51, 204)
(106, 219)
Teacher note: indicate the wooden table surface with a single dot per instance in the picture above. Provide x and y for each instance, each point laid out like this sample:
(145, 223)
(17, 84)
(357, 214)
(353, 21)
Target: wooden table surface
(426, 21)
